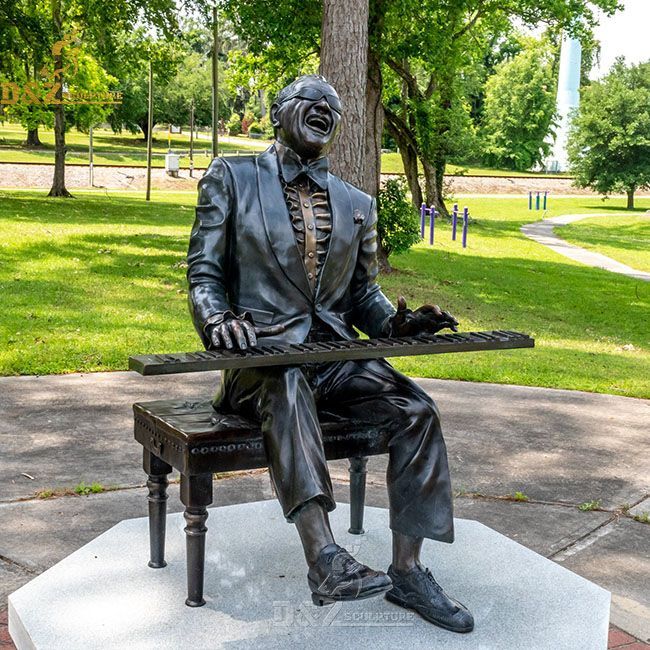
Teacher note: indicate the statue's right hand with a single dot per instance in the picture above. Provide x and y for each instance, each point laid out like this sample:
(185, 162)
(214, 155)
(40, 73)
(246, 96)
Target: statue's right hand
(240, 333)
(233, 332)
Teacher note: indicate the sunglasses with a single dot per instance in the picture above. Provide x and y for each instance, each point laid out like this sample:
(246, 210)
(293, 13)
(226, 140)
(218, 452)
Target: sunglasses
(315, 94)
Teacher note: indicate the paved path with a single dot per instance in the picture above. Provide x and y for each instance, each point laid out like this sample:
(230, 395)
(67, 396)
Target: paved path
(542, 232)
(559, 448)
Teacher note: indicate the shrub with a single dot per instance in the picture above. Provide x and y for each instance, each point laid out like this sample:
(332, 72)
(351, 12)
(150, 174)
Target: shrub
(247, 120)
(255, 127)
(397, 226)
(267, 127)
(234, 124)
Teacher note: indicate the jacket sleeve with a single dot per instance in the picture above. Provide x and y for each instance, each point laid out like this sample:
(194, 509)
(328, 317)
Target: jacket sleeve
(208, 249)
(371, 308)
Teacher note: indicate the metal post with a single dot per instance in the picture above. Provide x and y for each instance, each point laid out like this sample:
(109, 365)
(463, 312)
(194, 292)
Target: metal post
(545, 197)
(423, 212)
(91, 170)
(537, 202)
(465, 225)
(454, 222)
(215, 82)
(432, 219)
(149, 129)
(192, 139)
(530, 200)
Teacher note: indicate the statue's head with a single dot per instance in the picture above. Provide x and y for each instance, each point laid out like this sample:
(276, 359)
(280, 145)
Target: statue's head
(306, 115)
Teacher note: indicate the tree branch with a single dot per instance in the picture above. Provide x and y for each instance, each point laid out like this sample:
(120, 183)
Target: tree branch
(472, 21)
(403, 73)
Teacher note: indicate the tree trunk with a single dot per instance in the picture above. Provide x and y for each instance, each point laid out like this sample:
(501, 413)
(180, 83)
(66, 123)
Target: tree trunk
(374, 127)
(630, 199)
(409, 161)
(58, 183)
(33, 140)
(144, 127)
(433, 184)
(344, 63)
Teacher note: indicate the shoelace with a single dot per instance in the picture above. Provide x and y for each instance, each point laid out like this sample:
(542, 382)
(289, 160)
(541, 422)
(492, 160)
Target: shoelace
(427, 577)
(347, 561)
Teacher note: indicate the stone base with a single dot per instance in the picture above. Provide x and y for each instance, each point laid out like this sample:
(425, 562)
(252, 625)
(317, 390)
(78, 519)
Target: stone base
(104, 595)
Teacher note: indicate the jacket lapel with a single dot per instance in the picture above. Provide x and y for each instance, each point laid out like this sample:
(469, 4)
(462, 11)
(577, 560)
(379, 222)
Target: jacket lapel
(277, 222)
(341, 238)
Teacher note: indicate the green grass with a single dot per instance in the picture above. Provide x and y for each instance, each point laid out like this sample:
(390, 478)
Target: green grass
(588, 506)
(130, 150)
(391, 163)
(89, 281)
(84, 490)
(116, 149)
(621, 237)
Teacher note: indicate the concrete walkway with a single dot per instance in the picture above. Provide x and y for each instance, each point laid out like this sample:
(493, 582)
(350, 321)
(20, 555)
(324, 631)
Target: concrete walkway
(559, 449)
(542, 232)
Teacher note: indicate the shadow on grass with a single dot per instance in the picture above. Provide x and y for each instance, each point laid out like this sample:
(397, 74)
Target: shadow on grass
(558, 299)
(96, 209)
(633, 237)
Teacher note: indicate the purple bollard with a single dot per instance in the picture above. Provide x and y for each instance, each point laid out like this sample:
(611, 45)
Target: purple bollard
(423, 212)
(454, 222)
(465, 225)
(432, 218)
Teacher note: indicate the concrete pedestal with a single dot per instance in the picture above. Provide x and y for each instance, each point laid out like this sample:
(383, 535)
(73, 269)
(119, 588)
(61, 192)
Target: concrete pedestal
(104, 595)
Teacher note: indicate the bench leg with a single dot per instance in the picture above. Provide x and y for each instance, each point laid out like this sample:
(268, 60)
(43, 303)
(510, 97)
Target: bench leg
(357, 493)
(157, 484)
(196, 494)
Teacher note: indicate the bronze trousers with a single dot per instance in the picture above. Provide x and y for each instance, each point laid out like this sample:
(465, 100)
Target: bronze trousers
(288, 402)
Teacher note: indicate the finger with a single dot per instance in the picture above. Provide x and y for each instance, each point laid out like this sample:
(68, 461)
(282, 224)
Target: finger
(215, 338)
(270, 331)
(225, 335)
(250, 333)
(237, 332)
(448, 316)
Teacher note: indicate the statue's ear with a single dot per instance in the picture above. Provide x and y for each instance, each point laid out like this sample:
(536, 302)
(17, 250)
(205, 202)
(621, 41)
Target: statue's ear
(274, 115)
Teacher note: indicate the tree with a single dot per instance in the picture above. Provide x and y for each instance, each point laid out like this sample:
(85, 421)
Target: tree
(609, 138)
(344, 63)
(424, 48)
(519, 108)
(98, 24)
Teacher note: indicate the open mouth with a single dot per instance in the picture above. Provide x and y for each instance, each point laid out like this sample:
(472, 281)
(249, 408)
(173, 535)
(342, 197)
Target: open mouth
(318, 123)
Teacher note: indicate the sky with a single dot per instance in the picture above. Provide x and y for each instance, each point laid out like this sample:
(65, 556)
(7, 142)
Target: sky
(625, 33)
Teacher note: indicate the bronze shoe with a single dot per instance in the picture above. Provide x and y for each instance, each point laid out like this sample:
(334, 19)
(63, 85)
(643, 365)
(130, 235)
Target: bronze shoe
(418, 590)
(336, 575)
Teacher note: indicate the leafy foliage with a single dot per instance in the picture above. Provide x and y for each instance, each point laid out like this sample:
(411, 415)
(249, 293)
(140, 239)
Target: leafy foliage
(519, 108)
(397, 222)
(609, 139)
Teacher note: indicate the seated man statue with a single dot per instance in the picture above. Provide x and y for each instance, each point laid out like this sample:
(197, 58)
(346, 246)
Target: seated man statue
(282, 248)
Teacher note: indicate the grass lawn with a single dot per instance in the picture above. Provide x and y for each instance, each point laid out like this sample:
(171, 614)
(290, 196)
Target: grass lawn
(89, 281)
(117, 149)
(130, 150)
(623, 238)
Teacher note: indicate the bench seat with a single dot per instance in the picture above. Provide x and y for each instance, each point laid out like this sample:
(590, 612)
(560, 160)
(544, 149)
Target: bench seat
(193, 438)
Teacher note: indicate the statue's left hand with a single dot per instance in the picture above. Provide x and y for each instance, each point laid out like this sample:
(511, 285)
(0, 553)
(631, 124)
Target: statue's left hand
(428, 318)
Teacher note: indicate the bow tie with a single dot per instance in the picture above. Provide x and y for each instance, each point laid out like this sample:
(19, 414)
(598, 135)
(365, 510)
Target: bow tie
(292, 167)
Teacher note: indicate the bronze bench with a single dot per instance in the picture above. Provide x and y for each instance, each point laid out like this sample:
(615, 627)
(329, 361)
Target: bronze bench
(196, 440)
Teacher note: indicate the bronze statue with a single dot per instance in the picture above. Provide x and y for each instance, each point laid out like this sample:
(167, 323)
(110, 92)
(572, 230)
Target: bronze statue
(284, 249)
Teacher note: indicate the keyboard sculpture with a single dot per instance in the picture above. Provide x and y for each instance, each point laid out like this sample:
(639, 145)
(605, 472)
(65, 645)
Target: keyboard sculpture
(296, 354)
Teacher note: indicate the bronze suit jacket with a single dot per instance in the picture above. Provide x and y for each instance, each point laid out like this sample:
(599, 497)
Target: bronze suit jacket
(243, 255)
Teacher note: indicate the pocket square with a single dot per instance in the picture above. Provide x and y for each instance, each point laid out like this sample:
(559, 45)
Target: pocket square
(358, 217)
